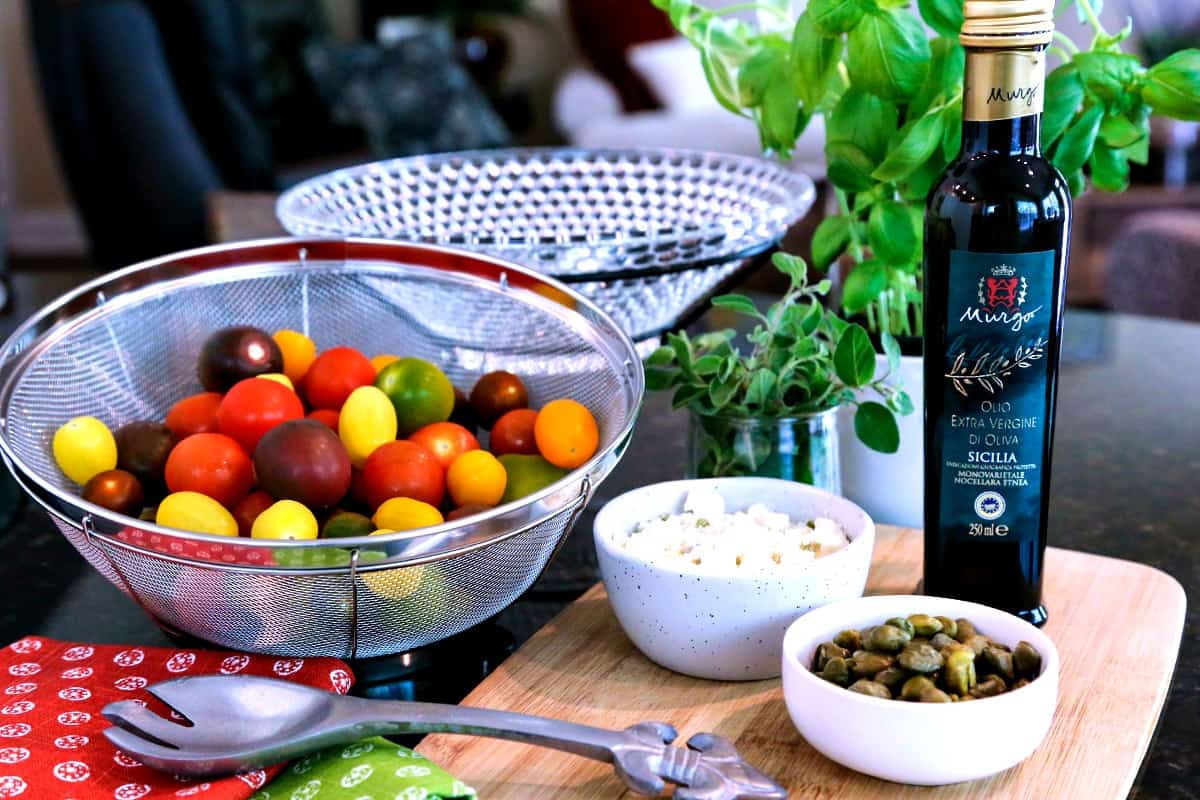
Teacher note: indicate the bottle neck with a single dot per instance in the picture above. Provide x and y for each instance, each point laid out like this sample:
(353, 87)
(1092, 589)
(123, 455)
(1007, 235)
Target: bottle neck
(1003, 95)
(1017, 136)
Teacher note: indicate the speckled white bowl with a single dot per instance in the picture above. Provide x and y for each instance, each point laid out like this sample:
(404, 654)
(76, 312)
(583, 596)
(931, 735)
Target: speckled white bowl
(725, 627)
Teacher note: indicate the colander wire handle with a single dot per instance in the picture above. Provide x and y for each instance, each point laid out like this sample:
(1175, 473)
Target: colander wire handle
(89, 535)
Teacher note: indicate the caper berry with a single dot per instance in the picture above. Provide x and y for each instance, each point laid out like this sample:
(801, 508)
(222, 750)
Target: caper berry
(925, 625)
(997, 662)
(1027, 662)
(977, 643)
(848, 639)
(959, 676)
(933, 694)
(903, 624)
(826, 651)
(888, 638)
(949, 626)
(866, 664)
(914, 686)
(864, 686)
(892, 677)
(990, 686)
(941, 641)
(837, 670)
(920, 658)
(964, 629)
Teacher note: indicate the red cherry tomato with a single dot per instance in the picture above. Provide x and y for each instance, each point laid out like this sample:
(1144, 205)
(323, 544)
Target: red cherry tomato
(446, 440)
(249, 508)
(327, 417)
(403, 469)
(212, 464)
(195, 414)
(254, 406)
(513, 433)
(334, 375)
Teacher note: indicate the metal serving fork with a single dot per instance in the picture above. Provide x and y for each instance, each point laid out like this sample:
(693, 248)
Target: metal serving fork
(240, 723)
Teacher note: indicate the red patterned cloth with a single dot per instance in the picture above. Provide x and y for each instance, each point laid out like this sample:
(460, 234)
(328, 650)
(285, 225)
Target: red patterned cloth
(51, 693)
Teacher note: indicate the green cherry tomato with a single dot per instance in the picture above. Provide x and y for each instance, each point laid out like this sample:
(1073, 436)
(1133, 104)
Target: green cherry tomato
(420, 392)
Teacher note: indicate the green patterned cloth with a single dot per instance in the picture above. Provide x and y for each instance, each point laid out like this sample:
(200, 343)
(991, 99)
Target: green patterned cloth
(373, 769)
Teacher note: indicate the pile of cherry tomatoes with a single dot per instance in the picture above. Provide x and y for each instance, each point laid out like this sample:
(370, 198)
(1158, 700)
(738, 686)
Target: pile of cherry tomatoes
(289, 443)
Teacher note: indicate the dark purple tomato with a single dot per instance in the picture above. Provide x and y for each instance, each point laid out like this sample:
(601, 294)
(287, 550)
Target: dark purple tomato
(464, 413)
(116, 490)
(234, 354)
(142, 449)
(303, 460)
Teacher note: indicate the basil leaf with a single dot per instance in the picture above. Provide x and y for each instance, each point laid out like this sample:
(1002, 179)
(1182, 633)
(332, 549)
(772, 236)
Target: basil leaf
(863, 286)
(848, 166)
(832, 17)
(1139, 151)
(1075, 146)
(854, 358)
(1064, 96)
(891, 348)
(780, 113)
(1107, 76)
(945, 76)
(917, 141)
(876, 427)
(759, 71)
(917, 186)
(888, 54)
(891, 234)
(864, 119)
(661, 356)
(830, 240)
(1076, 182)
(737, 303)
(1109, 168)
(815, 59)
(1118, 130)
(1173, 86)
(944, 16)
(952, 137)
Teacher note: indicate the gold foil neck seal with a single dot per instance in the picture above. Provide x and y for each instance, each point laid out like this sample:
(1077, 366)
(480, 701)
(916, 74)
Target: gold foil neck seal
(1007, 23)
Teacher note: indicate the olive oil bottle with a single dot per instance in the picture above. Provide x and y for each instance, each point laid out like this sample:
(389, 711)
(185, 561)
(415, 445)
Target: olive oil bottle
(996, 232)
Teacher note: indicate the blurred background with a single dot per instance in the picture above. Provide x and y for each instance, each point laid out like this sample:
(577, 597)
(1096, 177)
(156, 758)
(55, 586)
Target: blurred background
(132, 128)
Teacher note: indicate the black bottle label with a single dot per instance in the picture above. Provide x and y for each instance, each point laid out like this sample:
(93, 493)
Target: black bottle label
(994, 415)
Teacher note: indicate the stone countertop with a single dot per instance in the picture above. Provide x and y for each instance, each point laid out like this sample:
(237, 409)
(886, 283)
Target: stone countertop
(1126, 468)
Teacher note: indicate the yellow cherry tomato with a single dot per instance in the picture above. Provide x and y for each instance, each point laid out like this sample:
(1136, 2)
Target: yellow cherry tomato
(299, 352)
(285, 519)
(382, 360)
(192, 511)
(406, 514)
(84, 447)
(381, 530)
(279, 378)
(566, 433)
(476, 478)
(367, 420)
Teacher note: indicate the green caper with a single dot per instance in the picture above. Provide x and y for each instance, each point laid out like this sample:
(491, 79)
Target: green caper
(826, 651)
(837, 670)
(941, 641)
(949, 626)
(848, 639)
(959, 676)
(990, 686)
(891, 677)
(864, 663)
(914, 686)
(920, 658)
(932, 694)
(977, 643)
(903, 624)
(997, 662)
(864, 686)
(925, 625)
(964, 629)
(1027, 661)
(888, 638)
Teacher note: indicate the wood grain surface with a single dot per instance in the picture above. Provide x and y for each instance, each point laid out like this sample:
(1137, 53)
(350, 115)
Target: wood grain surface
(1111, 620)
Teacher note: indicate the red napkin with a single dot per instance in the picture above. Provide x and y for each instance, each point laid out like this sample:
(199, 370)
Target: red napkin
(51, 694)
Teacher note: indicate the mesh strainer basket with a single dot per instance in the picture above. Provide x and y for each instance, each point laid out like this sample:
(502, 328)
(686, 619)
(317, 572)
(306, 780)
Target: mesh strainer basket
(647, 233)
(124, 347)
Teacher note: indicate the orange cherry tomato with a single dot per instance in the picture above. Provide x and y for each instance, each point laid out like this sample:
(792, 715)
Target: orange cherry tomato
(566, 433)
(513, 433)
(382, 360)
(446, 440)
(249, 508)
(476, 478)
(253, 407)
(327, 417)
(298, 350)
(334, 375)
(403, 469)
(195, 414)
(212, 464)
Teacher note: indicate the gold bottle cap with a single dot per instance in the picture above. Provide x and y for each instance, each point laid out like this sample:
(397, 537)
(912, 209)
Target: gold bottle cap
(1007, 23)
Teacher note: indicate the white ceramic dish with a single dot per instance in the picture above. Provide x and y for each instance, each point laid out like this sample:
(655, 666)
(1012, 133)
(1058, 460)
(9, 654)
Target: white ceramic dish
(725, 627)
(919, 743)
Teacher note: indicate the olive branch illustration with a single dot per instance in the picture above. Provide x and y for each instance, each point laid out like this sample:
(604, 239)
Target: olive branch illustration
(988, 371)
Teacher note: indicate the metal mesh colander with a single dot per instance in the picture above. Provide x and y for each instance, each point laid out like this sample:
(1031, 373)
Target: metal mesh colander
(123, 348)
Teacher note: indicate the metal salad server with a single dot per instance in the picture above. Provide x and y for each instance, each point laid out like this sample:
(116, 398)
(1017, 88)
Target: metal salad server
(240, 723)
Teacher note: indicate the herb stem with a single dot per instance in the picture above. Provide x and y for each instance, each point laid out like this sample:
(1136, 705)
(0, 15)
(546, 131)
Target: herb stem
(1068, 44)
(856, 249)
(737, 8)
(1090, 13)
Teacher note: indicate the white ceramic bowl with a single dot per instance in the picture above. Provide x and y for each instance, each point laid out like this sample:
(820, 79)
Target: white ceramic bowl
(725, 627)
(920, 743)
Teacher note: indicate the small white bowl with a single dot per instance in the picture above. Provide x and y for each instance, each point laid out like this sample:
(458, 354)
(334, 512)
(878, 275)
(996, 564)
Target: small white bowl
(927, 744)
(725, 626)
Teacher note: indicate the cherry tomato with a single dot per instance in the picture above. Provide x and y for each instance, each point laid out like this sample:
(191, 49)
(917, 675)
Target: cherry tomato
(83, 447)
(298, 350)
(286, 519)
(211, 464)
(446, 440)
(462, 512)
(463, 413)
(142, 449)
(302, 460)
(476, 478)
(116, 490)
(278, 377)
(345, 524)
(326, 416)
(405, 514)
(566, 433)
(367, 420)
(195, 414)
(496, 393)
(403, 469)
(334, 375)
(421, 393)
(253, 407)
(231, 355)
(192, 511)
(513, 433)
(249, 508)
(382, 360)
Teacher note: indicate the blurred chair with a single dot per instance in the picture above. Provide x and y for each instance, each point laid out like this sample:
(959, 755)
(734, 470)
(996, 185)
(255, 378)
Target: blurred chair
(1153, 266)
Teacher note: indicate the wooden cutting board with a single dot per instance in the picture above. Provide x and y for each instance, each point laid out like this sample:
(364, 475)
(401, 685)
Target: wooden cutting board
(1111, 619)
